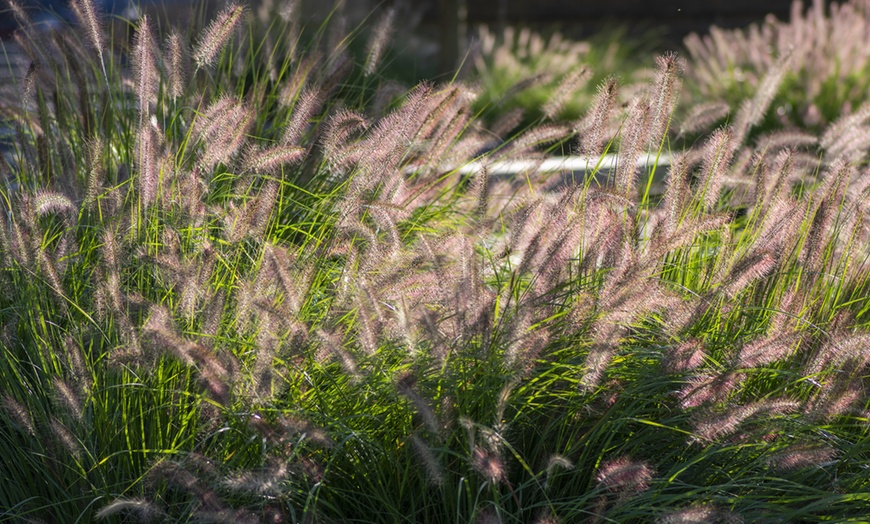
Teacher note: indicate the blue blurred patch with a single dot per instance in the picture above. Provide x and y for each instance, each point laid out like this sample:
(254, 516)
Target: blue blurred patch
(49, 14)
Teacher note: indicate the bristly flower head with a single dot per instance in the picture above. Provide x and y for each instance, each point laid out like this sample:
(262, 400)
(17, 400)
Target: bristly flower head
(701, 116)
(145, 68)
(68, 399)
(713, 426)
(19, 13)
(269, 161)
(766, 350)
(175, 58)
(701, 514)
(65, 437)
(434, 470)
(635, 135)
(29, 84)
(216, 35)
(746, 272)
(717, 157)
(667, 86)
(624, 476)
(306, 106)
(489, 464)
(143, 510)
(752, 110)
(19, 414)
(593, 128)
(88, 15)
(567, 87)
(379, 41)
(147, 153)
(801, 456)
(687, 356)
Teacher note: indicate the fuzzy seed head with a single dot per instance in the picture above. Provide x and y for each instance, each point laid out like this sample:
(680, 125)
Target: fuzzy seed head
(148, 163)
(95, 169)
(17, 412)
(379, 41)
(635, 135)
(801, 456)
(68, 398)
(557, 462)
(566, 88)
(270, 161)
(216, 35)
(19, 13)
(765, 351)
(714, 426)
(434, 470)
(752, 110)
(687, 356)
(593, 128)
(666, 91)
(65, 437)
(89, 17)
(145, 68)
(141, 509)
(717, 157)
(702, 116)
(265, 483)
(701, 514)
(45, 202)
(306, 429)
(30, 79)
(624, 476)
(748, 271)
(489, 465)
(175, 56)
(307, 106)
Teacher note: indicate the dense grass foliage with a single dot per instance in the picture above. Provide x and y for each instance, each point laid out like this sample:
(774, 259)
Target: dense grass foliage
(523, 76)
(245, 282)
(819, 50)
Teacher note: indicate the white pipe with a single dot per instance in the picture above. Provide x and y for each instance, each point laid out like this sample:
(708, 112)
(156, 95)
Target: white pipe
(556, 164)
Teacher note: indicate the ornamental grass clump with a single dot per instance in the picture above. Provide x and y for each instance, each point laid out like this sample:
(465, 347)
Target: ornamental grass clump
(261, 295)
(525, 75)
(818, 51)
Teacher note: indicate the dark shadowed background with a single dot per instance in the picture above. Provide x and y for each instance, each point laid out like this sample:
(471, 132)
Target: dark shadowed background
(442, 25)
(673, 18)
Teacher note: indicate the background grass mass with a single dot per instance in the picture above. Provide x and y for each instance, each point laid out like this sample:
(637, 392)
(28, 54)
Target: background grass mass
(244, 280)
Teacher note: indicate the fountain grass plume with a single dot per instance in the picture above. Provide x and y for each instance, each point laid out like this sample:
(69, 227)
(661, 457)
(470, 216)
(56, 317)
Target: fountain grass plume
(378, 42)
(216, 35)
(90, 18)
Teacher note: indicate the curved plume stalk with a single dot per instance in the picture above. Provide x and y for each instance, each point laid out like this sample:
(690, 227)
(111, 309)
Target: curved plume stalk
(379, 41)
(625, 476)
(703, 115)
(90, 19)
(571, 83)
(145, 68)
(635, 135)
(666, 92)
(216, 35)
(717, 157)
(148, 163)
(222, 130)
(752, 111)
(176, 53)
(307, 106)
(593, 128)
